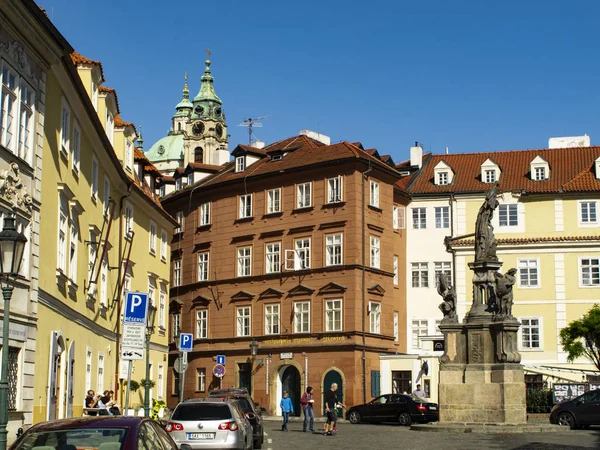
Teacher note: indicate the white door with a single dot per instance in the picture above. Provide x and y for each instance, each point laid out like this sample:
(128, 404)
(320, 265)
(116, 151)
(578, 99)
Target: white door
(70, 375)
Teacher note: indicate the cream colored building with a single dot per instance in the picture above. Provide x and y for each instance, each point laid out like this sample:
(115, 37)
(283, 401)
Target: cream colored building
(102, 232)
(547, 226)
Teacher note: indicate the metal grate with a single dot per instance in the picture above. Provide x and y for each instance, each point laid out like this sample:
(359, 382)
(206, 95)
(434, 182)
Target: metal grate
(13, 377)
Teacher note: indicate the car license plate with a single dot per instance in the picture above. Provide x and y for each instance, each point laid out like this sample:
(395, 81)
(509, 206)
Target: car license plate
(201, 435)
(433, 407)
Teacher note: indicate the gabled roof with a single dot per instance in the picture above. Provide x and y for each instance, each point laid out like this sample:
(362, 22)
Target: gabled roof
(300, 290)
(77, 59)
(571, 171)
(108, 90)
(376, 289)
(331, 288)
(193, 166)
(121, 123)
(271, 293)
(242, 295)
(302, 151)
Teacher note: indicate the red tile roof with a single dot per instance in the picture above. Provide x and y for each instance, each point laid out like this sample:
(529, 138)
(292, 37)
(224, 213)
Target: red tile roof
(570, 170)
(108, 90)
(77, 59)
(529, 240)
(306, 152)
(207, 167)
(121, 123)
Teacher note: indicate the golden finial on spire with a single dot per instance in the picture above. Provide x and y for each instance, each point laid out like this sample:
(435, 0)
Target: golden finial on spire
(208, 52)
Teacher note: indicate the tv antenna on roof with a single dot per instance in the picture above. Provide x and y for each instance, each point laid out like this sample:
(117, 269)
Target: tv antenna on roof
(252, 122)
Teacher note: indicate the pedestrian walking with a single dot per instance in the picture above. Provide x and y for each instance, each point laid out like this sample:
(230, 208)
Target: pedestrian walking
(307, 403)
(287, 408)
(331, 403)
(418, 392)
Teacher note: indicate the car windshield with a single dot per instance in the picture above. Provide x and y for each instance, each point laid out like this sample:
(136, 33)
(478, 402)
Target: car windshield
(202, 411)
(72, 439)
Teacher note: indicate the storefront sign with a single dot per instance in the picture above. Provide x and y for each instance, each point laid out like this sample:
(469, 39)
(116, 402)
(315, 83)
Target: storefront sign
(287, 355)
(307, 340)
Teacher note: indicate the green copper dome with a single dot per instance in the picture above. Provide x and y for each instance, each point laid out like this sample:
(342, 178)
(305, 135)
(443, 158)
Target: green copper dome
(166, 149)
(184, 107)
(207, 88)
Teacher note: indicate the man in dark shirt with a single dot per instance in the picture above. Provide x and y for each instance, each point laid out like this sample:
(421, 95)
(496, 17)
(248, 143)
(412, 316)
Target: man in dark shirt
(91, 401)
(331, 402)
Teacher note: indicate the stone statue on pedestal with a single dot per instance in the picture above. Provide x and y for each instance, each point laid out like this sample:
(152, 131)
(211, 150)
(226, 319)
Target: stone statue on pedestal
(504, 293)
(485, 241)
(448, 306)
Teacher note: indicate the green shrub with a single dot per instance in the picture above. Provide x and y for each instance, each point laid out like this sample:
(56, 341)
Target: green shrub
(539, 401)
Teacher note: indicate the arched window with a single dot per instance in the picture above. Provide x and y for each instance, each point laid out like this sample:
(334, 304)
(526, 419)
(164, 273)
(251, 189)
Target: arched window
(179, 126)
(198, 155)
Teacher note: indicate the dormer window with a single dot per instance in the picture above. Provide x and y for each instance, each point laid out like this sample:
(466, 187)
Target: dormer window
(597, 169)
(539, 169)
(178, 184)
(190, 179)
(277, 157)
(443, 174)
(110, 126)
(490, 171)
(240, 163)
(128, 154)
(490, 176)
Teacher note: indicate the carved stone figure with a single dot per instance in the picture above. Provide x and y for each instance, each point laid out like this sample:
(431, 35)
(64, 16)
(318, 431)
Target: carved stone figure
(504, 292)
(485, 241)
(11, 188)
(448, 306)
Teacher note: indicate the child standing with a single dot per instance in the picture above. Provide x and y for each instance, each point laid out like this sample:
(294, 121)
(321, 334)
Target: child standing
(286, 409)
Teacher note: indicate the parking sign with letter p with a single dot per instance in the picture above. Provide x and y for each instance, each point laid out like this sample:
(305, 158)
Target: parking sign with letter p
(136, 308)
(186, 341)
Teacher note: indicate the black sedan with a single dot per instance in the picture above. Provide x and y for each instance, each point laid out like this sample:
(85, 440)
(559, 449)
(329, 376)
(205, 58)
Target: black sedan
(401, 408)
(101, 432)
(579, 412)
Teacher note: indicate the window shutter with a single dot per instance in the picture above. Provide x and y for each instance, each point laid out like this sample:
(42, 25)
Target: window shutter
(375, 379)
(401, 217)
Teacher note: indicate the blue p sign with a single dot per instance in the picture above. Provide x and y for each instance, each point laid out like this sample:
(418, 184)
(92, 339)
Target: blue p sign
(136, 308)
(185, 342)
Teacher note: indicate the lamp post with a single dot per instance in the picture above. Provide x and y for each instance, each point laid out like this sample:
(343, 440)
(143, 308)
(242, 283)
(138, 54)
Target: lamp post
(253, 352)
(149, 333)
(12, 245)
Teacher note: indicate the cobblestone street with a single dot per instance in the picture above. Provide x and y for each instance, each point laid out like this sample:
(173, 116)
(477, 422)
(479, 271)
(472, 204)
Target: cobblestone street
(366, 436)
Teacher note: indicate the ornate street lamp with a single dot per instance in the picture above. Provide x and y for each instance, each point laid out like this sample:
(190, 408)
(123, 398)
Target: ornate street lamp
(253, 352)
(12, 245)
(149, 333)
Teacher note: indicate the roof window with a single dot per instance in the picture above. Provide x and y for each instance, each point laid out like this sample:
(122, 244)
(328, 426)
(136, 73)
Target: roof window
(240, 163)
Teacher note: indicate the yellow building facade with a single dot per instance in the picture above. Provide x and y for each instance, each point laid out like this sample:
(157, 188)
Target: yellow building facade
(103, 233)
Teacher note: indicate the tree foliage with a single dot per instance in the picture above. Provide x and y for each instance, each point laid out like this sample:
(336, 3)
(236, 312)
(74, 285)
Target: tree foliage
(582, 337)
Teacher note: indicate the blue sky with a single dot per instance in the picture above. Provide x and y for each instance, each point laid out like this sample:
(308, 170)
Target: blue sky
(470, 75)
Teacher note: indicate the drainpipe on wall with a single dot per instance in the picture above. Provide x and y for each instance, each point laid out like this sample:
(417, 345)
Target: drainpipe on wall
(120, 286)
(364, 304)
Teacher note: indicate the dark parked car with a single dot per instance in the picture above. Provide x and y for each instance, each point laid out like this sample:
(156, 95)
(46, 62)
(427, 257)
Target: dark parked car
(101, 433)
(579, 412)
(250, 408)
(401, 408)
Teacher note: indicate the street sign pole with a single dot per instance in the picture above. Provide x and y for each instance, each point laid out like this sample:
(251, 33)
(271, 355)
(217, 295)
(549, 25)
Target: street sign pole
(129, 365)
(181, 378)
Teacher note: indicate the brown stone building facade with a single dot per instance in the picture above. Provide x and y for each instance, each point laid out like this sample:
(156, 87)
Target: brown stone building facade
(299, 247)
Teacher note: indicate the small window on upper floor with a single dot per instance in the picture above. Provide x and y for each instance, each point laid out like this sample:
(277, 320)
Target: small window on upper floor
(490, 176)
(128, 154)
(374, 194)
(190, 179)
(540, 173)
(443, 174)
(178, 184)
(443, 178)
(539, 169)
(277, 157)
(240, 163)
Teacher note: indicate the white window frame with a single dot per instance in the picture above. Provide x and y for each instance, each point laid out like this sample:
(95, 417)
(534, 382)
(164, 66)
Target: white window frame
(396, 271)
(160, 381)
(421, 329)
(202, 323)
(304, 195)
(396, 326)
(94, 183)
(63, 237)
(272, 318)
(334, 190)
(73, 248)
(76, 148)
(375, 317)
(273, 257)
(163, 244)
(301, 317)
(180, 217)
(19, 108)
(245, 206)
(152, 237)
(104, 282)
(176, 322)
(274, 201)
(204, 214)
(592, 213)
(302, 253)
(401, 217)
(395, 218)
(506, 215)
(88, 368)
(203, 266)
(95, 94)
(240, 163)
(65, 134)
(129, 221)
(375, 253)
(106, 199)
(243, 318)
(419, 216)
(593, 265)
(374, 194)
(526, 326)
(244, 261)
(128, 154)
(528, 266)
(162, 306)
(100, 373)
(334, 315)
(490, 175)
(423, 278)
(334, 249)
(110, 125)
(442, 217)
(201, 379)
(177, 272)
(443, 178)
(444, 268)
(539, 173)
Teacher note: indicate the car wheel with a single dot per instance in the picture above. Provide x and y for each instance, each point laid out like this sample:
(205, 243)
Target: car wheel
(257, 444)
(566, 420)
(354, 417)
(404, 419)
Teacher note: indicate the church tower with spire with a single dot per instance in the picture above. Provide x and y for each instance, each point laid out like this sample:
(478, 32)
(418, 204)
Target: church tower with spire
(199, 130)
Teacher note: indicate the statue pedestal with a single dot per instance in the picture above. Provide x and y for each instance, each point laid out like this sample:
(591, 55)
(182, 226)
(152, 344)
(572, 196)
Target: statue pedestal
(484, 277)
(481, 380)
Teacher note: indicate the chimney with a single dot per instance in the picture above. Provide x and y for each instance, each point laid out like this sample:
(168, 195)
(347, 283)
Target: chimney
(258, 144)
(316, 136)
(416, 155)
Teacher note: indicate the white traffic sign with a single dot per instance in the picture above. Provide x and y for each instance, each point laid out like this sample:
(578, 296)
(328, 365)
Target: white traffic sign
(180, 365)
(136, 308)
(123, 369)
(131, 354)
(186, 342)
(134, 336)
